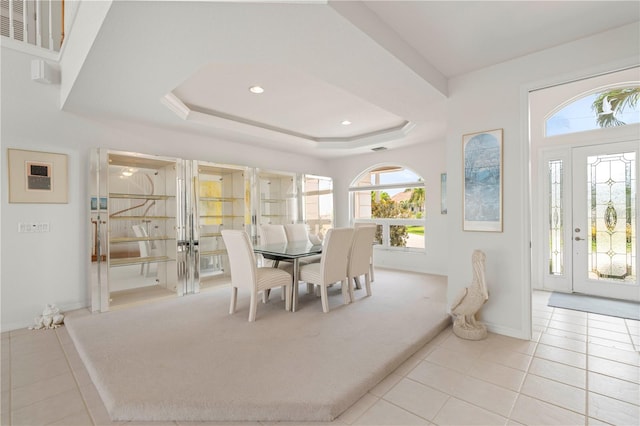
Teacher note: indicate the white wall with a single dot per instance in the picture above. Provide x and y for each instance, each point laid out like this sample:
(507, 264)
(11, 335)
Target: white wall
(426, 159)
(493, 98)
(53, 267)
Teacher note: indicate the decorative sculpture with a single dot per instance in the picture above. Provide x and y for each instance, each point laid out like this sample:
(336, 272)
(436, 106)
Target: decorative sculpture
(50, 318)
(469, 302)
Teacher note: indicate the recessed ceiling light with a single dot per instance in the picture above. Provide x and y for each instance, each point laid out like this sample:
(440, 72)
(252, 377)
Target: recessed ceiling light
(346, 122)
(256, 89)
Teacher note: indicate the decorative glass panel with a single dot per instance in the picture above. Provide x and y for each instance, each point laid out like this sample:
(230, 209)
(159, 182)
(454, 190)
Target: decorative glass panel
(612, 235)
(613, 107)
(556, 212)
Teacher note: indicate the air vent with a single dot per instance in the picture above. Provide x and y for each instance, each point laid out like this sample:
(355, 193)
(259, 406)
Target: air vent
(379, 148)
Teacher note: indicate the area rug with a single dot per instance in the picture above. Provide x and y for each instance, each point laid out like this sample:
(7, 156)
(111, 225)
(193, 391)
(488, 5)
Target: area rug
(596, 305)
(188, 359)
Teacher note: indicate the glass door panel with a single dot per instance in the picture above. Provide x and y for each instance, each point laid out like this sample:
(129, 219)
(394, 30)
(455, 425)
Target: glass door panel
(604, 220)
(221, 202)
(134, 212)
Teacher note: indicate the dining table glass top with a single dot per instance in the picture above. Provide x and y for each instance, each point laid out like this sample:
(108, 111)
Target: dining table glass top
(289, 250)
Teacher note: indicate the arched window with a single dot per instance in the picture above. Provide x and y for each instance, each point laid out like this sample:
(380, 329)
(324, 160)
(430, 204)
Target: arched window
(614, 106)
(393, 197)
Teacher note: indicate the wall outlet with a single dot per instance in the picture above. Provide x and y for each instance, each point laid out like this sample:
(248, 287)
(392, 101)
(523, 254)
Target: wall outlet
(31, 227)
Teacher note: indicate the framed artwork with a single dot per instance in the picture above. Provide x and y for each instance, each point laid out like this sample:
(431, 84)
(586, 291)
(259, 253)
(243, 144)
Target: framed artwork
(37, 177)
(94, 203)
(443, 193)
(482, 197)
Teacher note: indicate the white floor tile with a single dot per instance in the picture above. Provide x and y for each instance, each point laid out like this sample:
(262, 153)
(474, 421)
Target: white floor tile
(560, 372)
(612, 410)
(385, 413)
(556, 393)
(531, 411)
(457, 412)
(615, 388)
(417, 398)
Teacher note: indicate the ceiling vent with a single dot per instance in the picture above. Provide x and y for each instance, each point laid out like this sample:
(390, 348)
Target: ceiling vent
(379, 148)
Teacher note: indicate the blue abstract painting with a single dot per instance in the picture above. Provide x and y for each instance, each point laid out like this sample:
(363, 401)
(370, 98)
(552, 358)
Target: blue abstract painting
(483, 181)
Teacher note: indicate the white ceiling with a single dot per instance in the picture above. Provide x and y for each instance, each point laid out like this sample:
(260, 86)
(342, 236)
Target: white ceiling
(383, 65)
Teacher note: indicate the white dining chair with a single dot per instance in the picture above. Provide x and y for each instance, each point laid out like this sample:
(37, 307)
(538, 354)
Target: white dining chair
(371, 276)
(332, 267)
(296, 232)
(245, 273)
(360, 257)
(272, 234)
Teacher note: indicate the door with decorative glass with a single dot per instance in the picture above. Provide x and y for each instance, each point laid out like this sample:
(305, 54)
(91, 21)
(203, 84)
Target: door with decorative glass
(604, 223)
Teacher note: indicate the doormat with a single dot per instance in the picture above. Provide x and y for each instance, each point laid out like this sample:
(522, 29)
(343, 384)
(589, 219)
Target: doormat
(595, 305)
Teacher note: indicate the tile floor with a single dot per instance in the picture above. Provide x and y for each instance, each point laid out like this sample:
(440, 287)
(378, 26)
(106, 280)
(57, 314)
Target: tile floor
(579, 369)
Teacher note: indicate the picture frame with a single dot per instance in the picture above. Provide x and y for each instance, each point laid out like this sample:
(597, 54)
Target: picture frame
(103, 203)
(443, 193)
(37, 177)
(483, 181)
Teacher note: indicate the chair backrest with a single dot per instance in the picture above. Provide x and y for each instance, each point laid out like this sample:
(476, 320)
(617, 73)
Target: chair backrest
(241, 258)
(272, 234)
(361, 247)
(335, 254)
(296, 232)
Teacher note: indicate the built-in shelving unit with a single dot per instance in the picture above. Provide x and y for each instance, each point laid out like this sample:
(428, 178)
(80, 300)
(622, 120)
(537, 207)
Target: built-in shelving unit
(276, 197)
(221, 193)
(134, 211)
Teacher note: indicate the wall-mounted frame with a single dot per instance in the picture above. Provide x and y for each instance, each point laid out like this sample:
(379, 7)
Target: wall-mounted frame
(37, 177)
(103, 203)
(443, 193)
(482, 197)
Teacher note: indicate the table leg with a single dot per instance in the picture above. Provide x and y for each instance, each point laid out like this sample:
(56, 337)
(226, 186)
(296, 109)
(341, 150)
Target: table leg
(294, 292)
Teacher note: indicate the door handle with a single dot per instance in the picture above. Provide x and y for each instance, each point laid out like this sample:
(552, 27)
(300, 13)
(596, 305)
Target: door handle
(578, 239)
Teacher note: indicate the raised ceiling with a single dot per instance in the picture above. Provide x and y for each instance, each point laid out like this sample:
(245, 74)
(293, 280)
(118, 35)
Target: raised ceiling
(383, 65)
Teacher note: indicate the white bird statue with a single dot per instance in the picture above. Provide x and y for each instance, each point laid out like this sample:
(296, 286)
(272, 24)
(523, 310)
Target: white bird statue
(469, 302)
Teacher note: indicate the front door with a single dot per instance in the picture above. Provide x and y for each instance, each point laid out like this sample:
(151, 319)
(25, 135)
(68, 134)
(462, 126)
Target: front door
(604, 225)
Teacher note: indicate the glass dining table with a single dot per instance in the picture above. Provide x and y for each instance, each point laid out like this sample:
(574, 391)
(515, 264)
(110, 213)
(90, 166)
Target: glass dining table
(290, 252)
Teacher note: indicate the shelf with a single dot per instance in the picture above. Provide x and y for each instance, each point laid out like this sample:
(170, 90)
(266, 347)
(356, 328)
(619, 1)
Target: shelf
(141, 217)
(212, 252)
(141, 196)
(275, 200)
(133, 239)
(138, 260)
(221, 199)
(211, 235)
(219, 216)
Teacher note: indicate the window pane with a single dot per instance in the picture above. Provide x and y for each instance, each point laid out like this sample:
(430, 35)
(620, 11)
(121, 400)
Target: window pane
(613, 107)
(611, 212)
(318, 203)
(556, 226)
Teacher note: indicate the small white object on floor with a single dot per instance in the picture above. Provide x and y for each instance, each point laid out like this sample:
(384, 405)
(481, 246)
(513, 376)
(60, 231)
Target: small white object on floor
(50, 318)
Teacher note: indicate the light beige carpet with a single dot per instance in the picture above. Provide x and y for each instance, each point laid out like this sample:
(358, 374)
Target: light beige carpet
(188, 359)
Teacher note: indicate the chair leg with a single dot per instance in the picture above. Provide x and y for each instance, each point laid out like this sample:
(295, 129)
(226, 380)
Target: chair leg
(371, 271)
(265, 295)
(234, 299)
(253, 307)
(324, 295)
(367, 283)
(310, 289)
(356, 280)
(347, 291)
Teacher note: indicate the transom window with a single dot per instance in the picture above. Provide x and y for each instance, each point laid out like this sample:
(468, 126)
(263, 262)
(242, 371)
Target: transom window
(393, 197)
(615, 106)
